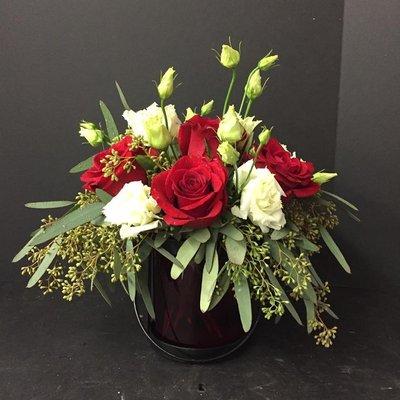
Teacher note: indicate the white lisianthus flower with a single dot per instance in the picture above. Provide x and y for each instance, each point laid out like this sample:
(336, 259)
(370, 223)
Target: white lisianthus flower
(139, 120)
(248, 123)
(260, 199)
(230, 129)
(133, 209)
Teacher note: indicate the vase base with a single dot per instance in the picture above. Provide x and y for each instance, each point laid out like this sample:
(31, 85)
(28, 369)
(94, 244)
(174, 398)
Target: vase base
(189, 354)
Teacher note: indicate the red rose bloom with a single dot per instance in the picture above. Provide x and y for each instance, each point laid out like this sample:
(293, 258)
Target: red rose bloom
(293, 174)
(191, 193)
(94, 177)
(198, 137)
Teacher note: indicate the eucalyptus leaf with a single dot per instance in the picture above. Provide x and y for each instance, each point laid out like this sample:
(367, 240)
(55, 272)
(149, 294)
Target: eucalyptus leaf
(223, 283)
(208, 283)
(330, 312)
(310, 294)
(166, 254)
(199, 257)
(82, 166)
(279, 234)
(284, 297)
(145, 161)
(352, 216)
(122, 97)
(144, 251)
(275, 250)
(242, 294)
(334, 249)
(335, 196)
(201, 235)
(101, 290)
(317, 280)
(160, 239)
(236, 250)
(143, 286)
(41, 269)
(292, 226)
(305, 244)
(131, 284)
(232, 232)
(185, 254)
(211, 251)
(70, 221)
(103, 196)
(310, 312)
(98, 221)
(49, 204)
(28, 247)
(112, 129)
(117, 265)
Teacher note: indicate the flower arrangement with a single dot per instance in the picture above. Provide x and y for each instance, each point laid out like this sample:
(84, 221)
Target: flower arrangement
(221, 186)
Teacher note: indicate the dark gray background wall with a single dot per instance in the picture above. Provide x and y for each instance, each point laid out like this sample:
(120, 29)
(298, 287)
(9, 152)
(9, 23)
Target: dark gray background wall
(58, 58)
(368, 140)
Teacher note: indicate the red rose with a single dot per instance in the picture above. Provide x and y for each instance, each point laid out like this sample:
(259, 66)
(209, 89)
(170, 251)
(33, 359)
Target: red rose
(293, 174)
(94, 177)
(191, 193)
(198, 137)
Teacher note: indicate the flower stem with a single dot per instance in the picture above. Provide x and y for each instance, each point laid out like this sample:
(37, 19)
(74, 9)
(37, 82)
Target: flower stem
(251, 169)
(166, 124)
(248, 108)
(228, 94)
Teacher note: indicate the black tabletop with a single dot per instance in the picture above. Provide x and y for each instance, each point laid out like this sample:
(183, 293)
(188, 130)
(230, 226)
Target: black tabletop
(51, 349)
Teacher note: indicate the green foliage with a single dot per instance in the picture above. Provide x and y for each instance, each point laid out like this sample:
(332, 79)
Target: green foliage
(185, 254)
(273, 269)
(122, 96)
(112, 130)
(82, 166)
(242, 294)
(49, 204)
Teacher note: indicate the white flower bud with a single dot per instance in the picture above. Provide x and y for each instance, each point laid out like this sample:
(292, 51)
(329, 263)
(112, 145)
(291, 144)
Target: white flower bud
(254, 87)
(267, 62)
(229, 57)
(189, 114)
(166, 85)
(91, 133)
(323, 177)
(207, 108)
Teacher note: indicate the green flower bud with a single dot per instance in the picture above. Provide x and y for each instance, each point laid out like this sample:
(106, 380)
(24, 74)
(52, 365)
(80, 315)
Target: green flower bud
(207, 108)
(158, 135)
(267, 62)
(189, 113)
(254, 87)
(229, 155)
(91, 133)
(229, 57)
(230, 129)
(166, 85)
(323, 177)
(264, 136)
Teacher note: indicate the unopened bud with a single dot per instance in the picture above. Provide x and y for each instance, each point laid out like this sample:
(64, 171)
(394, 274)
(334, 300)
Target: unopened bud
(267, 62)
(254, 87)
(207, 108)
(166, 85)
(229, 57)
(323, 177)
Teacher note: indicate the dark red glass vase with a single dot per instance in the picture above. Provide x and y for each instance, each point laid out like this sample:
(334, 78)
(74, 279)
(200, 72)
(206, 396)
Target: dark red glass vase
(179, 320)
